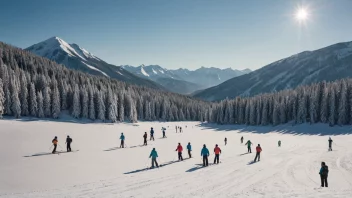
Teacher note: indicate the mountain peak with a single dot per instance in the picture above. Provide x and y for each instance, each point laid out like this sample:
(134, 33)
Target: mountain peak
(55, 48)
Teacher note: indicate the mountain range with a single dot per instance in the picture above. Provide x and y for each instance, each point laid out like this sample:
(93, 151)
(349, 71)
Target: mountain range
(185, 81)
(328, 63)
(75, 57)
(181, 81)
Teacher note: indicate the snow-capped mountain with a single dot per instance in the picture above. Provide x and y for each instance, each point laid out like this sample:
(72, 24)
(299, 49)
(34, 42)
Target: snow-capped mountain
(75, 57)
(329, 63)
(184, 80)
(209, 77)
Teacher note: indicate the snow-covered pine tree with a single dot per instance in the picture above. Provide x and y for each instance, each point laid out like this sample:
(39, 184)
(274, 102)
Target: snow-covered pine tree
(2, 99)
(40, 98)
(265, 112)
(121, 107)
(91, 104)
(63, 94)
(252, 116)
(76, 106)
(111, 106)
(343, 104)
(332, 105)
(24, 95)
(33, 105)
(56, 106)
(15, 101)
(324, 107)
(84, 102)
(100, 106)
(276, 117)
(47, 102)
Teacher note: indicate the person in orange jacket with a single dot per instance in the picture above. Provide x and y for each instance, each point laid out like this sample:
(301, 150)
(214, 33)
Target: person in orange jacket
(179, 149)
(259, 149)
(217, 152)
(55, 142)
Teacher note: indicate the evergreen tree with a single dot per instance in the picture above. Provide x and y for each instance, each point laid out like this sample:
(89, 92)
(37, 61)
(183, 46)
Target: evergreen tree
(47, 102)
(332, 106)
(2, 99)
(33, 105)
(343, 105)
(15, 101)
(76, 106)
(56, 107)
(40, 105)
(84, 102)
(24, 95)
(91, 104)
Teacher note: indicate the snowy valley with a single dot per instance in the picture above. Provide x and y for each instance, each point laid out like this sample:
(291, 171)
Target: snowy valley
(100, 169)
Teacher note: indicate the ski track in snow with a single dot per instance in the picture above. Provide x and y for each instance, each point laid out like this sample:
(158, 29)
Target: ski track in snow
(287, 171)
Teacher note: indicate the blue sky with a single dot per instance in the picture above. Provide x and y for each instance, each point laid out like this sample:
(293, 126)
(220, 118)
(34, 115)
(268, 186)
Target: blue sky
(180, 33)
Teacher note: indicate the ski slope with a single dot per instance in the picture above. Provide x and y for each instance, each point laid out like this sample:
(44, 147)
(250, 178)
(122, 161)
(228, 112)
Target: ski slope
(99, 169)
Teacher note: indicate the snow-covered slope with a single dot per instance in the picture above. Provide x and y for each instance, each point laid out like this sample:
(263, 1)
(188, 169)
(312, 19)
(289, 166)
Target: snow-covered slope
(100, 169)
(329, 63)
(184, 79)
(75, 57)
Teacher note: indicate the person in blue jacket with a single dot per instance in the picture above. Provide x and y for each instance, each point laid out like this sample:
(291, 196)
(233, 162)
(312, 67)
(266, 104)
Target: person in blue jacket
(154, 155)
(152, 134)
(205, 154)
(122, 138)
(189, 149)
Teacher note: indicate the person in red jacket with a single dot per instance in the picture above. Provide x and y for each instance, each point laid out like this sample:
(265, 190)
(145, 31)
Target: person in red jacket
(217, 152)
(259, 149)
(179, 149)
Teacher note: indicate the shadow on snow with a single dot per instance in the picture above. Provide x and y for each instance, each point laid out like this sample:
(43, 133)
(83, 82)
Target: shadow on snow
(320, 129)
(160, 166)
(47, 153)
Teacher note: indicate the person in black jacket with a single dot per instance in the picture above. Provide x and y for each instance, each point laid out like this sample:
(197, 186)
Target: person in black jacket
(68, 143)
(330, 144)
(324, 171)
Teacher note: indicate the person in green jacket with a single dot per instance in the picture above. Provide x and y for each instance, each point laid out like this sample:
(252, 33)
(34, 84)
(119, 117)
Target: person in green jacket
(154, 155)
(279, 143)
(249, 144)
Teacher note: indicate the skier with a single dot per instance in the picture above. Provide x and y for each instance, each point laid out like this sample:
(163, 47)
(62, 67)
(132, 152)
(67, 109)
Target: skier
(179, 150)
(154, 155)
(164, 136)
(181, 130)
(217, 152)
(68, 143)
(330, 144)
(249, 143)
(324, 171)
(225, 141)
(145, 136)
(205, 154)
(55, 142)
(242, 140)
(122, 138)
(176, 128)
(152, 134)
(189, 149)
(279, 143)
(259, 149)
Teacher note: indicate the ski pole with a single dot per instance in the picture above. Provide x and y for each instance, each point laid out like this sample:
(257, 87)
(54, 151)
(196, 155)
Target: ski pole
(50, 147)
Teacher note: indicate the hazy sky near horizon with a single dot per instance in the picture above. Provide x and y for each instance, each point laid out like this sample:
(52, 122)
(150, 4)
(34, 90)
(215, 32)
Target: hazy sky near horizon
(180, 33)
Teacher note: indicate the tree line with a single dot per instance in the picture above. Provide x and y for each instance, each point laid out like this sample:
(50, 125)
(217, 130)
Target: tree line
(321, 102)
(35, 86)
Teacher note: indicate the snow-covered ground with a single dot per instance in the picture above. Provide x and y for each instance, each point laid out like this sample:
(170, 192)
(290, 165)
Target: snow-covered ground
(289, 171)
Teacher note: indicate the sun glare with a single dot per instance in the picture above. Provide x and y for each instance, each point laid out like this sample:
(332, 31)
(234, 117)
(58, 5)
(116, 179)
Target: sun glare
(301, 14)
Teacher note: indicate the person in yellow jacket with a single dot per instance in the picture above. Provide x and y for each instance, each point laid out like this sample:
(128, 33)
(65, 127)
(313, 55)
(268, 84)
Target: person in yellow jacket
(55, 142)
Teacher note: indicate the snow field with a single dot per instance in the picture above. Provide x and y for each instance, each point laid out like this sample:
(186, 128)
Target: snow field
(289, 171)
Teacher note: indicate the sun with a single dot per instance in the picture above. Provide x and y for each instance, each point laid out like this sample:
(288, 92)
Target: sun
(301, 14)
